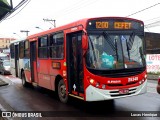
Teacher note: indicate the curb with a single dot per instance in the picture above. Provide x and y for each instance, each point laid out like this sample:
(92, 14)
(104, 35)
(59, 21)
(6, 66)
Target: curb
(3, 83)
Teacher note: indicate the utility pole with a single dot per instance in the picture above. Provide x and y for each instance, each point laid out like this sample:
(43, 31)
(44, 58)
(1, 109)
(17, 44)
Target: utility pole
(50, 21)
(26, 31)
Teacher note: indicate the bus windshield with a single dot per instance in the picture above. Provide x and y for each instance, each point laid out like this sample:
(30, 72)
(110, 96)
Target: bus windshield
(115, 51)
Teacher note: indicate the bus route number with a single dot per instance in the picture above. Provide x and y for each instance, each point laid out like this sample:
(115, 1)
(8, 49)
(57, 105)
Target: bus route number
(101, 24)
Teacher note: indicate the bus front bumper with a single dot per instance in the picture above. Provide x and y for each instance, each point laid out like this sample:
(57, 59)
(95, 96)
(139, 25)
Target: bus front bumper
(96, 94)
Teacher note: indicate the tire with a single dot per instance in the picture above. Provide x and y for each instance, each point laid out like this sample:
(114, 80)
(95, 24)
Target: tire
(24, 83)
(63, 96)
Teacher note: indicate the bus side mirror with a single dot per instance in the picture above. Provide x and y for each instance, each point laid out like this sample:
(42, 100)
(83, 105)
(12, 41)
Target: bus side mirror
(84, 40)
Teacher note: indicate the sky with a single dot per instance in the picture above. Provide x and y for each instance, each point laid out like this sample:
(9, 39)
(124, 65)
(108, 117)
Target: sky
(31, 14)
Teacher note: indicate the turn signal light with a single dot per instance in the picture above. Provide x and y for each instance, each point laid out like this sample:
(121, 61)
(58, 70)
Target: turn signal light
(142, 81)
(97, 84)
(92, 81)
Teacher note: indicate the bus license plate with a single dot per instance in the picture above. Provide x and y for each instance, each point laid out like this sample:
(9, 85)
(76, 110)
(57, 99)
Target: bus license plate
(123, 91)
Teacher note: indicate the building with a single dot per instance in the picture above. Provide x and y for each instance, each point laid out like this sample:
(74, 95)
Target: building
(5, 42)
(152, 43)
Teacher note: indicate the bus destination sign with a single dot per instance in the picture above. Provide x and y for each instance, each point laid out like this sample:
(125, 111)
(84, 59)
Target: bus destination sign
(122, 25)
(101, 24)
(114, 24)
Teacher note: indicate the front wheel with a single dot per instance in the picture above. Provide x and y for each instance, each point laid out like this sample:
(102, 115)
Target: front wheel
(62, 93)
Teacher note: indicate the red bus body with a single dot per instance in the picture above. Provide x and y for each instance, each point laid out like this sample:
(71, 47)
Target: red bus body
(81, 81)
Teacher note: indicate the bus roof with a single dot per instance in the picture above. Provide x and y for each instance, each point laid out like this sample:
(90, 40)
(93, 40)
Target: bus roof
(76, 23)
(18, 40)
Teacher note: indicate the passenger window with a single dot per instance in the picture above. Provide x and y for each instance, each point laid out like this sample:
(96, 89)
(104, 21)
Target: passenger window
(12, 50)
(57, 46)
(21, 49)
(26, 49)
(43, 47)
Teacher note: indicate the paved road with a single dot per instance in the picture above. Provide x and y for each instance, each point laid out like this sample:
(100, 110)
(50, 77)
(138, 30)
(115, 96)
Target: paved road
(16, 98)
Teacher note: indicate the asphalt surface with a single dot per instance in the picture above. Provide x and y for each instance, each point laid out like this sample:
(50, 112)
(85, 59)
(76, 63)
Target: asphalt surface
(14, 97)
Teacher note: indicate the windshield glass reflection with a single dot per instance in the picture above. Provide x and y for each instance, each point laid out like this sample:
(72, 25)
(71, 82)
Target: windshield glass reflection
(115, 51)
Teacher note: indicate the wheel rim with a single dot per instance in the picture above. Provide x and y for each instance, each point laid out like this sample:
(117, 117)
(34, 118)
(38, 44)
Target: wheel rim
(62, 91)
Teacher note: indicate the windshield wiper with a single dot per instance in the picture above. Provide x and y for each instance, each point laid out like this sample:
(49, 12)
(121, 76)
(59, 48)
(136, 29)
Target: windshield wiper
(129, 44)
(114, 47)
(131, 40)
(106, 35)
(128, 50)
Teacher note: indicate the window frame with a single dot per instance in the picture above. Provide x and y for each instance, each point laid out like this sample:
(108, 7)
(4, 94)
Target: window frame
(52, 45)
(40, 54)
(12, 49)
(21, 52)
(26, 49)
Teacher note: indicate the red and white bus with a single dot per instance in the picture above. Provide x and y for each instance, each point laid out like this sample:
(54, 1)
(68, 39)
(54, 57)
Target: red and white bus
(92, 59)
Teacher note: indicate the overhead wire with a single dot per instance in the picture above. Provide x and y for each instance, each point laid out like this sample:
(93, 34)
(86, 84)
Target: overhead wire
(71, 6)
(152, 19)
(143, 9)
(19, 10)
(14, 9)
(72, 9)
(153, 24)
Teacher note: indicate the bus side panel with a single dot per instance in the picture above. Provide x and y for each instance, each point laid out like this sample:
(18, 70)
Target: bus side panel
(53, 82)
(28, 75)
(54, 71)
(43, 74)
(13, 67)
(44, 81)
(35, 72)
(21, 67)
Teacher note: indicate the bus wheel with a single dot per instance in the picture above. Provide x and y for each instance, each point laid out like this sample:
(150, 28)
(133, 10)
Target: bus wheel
(24, 83)
(63, 96)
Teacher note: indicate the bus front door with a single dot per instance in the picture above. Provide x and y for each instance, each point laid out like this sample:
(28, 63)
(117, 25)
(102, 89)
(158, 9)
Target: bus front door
(16, 60)
(33, 61)
(75, 63)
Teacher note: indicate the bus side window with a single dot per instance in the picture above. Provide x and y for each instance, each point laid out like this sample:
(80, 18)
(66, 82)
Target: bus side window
(57, 46)
(43, 47)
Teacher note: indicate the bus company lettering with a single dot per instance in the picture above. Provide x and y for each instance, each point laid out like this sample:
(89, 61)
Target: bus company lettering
(132, 79)
(114, 81)
(74, 29)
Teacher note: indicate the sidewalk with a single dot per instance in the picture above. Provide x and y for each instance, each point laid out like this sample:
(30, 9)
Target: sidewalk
(152, 77)
(3, 83)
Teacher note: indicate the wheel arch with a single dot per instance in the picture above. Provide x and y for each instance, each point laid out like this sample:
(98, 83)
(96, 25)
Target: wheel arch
(22, 70)
(57, 79)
